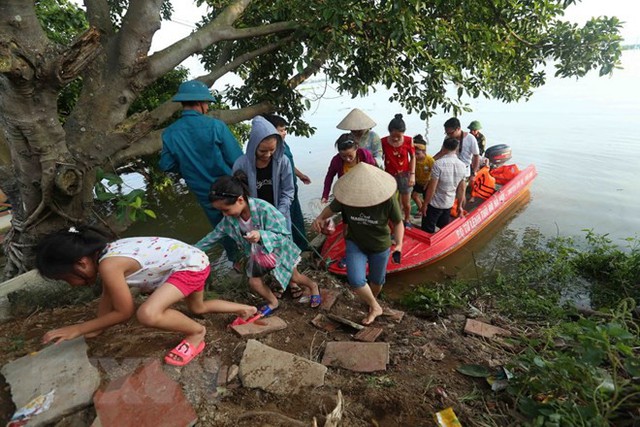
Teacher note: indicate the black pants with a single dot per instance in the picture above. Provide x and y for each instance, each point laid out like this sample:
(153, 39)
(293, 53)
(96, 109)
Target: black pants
(435, 216)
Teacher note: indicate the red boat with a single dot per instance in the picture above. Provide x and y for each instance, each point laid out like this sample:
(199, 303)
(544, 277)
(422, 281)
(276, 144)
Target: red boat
(421, 248)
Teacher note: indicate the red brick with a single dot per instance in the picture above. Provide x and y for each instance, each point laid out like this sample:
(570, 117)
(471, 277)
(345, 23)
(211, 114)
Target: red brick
(145, 398)
(357, 356)
(368, 334)
(260, 327)
(329, 298)
(483, 329)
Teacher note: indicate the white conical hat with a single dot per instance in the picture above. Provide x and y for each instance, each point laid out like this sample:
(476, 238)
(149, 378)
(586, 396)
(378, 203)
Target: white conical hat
(356, 120)
(364, 185)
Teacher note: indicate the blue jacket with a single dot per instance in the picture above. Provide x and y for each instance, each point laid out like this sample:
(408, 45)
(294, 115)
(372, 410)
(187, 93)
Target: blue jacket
(282, 175)
(201, 149)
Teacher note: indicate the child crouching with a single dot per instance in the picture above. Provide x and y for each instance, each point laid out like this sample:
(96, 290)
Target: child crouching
(174, 271)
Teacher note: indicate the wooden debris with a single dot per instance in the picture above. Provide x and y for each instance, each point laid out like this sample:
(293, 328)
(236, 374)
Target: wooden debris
(345, 321)
(484, 329)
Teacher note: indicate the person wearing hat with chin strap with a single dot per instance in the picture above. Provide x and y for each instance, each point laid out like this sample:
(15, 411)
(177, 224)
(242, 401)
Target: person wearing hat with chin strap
(201, 149)
(360, 125)
(474, 129)
(366, 198)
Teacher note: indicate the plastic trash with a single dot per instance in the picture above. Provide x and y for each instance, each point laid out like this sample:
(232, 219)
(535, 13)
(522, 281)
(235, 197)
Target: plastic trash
(446, 418)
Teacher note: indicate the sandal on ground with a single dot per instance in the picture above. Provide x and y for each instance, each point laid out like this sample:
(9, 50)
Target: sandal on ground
(296, 291)
(315, 301)
(185, 352)
(342, 263)
(278, 292)
(267, 311)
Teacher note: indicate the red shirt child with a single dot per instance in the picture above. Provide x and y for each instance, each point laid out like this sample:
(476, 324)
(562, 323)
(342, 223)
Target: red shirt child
(398, 159)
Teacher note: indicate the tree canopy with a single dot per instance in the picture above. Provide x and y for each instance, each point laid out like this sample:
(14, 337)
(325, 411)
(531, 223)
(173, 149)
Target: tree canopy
(99, 59)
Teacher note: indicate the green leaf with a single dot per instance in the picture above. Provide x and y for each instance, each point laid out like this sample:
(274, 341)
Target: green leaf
(150, 213)
(632, 366)
(471, 370)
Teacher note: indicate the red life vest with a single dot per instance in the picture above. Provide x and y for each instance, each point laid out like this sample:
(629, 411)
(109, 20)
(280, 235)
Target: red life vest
(505, 173)
(484, 185)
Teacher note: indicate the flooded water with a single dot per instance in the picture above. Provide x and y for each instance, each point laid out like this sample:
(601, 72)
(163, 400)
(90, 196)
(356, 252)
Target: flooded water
(580, 135)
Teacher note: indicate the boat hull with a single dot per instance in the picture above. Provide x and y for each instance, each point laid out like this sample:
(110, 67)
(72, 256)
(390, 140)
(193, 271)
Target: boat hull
(421, 249)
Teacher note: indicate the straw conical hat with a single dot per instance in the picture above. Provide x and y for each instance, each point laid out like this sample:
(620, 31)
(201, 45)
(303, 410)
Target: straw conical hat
(364, 185)
(356, 120)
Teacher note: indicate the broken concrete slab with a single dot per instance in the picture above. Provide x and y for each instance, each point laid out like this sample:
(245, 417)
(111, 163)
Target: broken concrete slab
(323, 322)
(329, 298)
(63, 369)
(357, 356)
(484, 329)
(148, 397)
(368, 334)
(259, 327)
(277, 371)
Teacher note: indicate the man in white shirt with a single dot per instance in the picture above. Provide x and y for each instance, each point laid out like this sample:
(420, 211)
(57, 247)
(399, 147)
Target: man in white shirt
(446, 185)
(468, 151)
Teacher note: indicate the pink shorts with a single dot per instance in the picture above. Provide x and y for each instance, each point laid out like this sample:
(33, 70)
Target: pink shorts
(189, 282)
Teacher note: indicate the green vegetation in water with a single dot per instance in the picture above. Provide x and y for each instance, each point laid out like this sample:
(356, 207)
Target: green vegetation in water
(571, 370)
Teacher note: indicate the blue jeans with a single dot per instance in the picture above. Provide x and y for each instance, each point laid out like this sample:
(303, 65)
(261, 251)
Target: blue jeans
(357, 266)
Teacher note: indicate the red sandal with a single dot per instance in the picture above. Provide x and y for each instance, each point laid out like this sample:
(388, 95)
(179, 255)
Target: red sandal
(185, 351)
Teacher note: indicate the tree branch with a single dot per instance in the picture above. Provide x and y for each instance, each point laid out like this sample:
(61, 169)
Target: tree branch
(139, 24)
(221, 70)
(309, 71)
(151, 142)
(98, 15)
(78, 56)
(217, 30)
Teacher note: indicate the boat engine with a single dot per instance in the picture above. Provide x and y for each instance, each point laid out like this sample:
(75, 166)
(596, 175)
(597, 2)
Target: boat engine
(498, 155)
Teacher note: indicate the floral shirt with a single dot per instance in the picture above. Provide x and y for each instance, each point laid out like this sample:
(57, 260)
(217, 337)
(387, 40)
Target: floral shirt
(275, 237)
(158, 257)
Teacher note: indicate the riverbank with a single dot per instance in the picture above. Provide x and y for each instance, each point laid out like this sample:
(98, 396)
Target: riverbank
(561, 362)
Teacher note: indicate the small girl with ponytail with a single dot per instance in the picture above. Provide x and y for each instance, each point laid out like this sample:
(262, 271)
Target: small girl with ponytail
(252, 221)
(174, 271)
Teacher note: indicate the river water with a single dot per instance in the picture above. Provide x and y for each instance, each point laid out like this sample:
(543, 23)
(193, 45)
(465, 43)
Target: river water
(580, 134)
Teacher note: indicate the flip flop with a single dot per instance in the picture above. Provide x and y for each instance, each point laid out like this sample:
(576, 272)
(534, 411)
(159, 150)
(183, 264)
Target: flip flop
(185, 352)
(315, 301)
(296, 292)
(266, 311)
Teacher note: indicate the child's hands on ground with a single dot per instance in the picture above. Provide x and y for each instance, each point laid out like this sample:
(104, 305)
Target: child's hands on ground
(247, 312)
(252, 236)
(62, 334)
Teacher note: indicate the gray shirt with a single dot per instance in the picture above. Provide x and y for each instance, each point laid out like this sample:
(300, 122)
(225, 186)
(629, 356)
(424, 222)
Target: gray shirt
(449, 171)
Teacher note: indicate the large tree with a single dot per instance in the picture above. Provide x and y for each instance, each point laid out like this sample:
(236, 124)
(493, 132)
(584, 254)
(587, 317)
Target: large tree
(419, 48)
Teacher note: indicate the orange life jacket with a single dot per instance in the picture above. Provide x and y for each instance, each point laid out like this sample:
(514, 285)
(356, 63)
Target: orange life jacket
(484, 185)
(505, 173)
(453, 213)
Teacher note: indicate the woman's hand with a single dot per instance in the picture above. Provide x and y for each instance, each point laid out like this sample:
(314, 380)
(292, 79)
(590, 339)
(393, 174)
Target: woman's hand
(412, 180)
(318, 224)
(305, 179)
(324, 200)
(62, 334)
(252, 236)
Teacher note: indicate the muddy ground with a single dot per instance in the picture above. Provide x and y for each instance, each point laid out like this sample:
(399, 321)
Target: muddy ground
(420, 379)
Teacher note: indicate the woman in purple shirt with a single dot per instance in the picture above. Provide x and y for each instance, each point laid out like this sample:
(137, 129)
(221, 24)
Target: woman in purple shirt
(349, 155)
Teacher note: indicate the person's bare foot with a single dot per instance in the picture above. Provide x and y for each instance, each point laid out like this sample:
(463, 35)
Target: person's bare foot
(374, 312)
(247, 312)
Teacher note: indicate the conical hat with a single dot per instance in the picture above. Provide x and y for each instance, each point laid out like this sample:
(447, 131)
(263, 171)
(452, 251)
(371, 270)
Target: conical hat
(364, 185)
(356, 120)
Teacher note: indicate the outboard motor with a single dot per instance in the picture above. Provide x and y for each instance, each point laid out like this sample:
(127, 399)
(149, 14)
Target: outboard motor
(498, 155)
